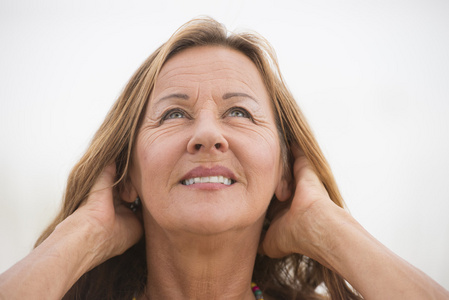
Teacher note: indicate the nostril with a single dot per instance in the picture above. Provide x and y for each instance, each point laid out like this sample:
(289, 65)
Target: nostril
(217, 146)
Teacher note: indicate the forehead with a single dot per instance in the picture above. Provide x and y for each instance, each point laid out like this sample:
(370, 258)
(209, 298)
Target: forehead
(212, 54)
(208, 63)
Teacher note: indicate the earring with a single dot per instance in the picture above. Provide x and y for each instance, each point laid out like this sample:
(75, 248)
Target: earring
(135, 205)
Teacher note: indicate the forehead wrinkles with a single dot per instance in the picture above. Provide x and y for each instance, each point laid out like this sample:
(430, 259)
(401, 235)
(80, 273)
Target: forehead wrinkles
(205, 59)
(204, 71)
(214, 71)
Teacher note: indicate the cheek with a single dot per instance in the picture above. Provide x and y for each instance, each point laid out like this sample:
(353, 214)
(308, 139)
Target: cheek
(259, 154)
(156, 154)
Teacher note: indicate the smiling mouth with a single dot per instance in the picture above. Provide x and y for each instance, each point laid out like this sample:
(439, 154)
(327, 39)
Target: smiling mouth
(208, 179)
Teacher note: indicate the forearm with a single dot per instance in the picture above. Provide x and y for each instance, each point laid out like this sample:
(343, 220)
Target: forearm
(53, 267)
(370, 267)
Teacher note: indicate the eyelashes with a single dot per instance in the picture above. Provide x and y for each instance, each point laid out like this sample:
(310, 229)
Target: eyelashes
(238, 112)
(178, 113)
(175, 113)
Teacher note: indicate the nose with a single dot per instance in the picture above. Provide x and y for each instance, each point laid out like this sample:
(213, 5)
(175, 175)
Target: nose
(207, 135)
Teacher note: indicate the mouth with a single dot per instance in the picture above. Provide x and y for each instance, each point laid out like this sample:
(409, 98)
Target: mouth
(208, 179)
(215, 176)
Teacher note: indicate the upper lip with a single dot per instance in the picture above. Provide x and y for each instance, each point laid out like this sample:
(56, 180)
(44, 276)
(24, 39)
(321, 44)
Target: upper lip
(205, 172)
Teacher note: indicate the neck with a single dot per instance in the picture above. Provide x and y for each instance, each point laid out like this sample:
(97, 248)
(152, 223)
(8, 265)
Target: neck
(189, 266)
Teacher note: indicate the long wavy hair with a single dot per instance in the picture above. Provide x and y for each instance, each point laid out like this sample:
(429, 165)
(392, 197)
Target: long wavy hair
(292, 277)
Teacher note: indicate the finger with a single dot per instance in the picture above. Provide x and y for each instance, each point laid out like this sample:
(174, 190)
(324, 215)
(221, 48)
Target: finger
(106, 179)
(131, 227)
(302, 169)
(271, 245)
(309, 186)
(103, 185)
(301, 162)
(297, 151)
(272, 238)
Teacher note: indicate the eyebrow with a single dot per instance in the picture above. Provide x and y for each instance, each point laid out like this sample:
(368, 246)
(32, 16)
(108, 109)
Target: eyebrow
(225, 96)
(178, 96)
(231, 95)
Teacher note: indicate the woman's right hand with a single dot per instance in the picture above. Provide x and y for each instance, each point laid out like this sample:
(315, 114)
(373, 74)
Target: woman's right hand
(115, 226)
(98, 230)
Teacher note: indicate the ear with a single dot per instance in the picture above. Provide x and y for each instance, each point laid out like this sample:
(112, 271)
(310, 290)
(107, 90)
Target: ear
(283, 190)
(128, 192)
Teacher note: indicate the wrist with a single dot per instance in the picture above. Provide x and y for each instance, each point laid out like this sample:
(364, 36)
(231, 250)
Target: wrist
(82, 240)
(52, 268)
(324, 228)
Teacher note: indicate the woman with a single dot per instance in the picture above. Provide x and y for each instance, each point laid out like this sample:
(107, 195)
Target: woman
(226, 186)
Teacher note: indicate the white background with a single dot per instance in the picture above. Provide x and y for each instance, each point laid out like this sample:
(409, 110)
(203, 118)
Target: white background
(372, 78)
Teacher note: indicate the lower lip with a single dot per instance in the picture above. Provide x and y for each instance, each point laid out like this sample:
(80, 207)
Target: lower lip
(207, 186)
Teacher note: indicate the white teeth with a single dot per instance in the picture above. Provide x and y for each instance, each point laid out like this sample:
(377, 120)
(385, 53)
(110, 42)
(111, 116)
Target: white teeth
(207, 179)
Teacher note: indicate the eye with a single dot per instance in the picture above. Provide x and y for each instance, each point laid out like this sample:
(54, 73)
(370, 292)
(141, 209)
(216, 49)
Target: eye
(175, 113)
(239, 113)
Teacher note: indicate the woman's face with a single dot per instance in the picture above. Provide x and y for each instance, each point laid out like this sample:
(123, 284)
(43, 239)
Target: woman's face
(207, 157)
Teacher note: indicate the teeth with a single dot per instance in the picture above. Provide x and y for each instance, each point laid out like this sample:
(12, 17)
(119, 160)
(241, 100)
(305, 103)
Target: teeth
(207, 179)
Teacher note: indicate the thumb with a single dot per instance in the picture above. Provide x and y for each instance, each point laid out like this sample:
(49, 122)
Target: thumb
(274, 240)
(106, 179)
(129, 227)
(102, 187)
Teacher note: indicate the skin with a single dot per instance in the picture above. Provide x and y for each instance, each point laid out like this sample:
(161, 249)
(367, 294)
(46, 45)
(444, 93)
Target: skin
(224, 103)
(209, 109)
(201, 241)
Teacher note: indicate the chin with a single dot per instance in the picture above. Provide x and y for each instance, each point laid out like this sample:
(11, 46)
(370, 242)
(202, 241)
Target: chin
(211, 221)
(214, 221)
(204, 217)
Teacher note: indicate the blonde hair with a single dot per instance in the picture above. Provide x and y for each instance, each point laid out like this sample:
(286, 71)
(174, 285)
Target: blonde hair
(292, 277)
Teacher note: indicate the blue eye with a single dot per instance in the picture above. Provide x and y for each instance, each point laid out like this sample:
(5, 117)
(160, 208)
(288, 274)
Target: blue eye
(239, 113)
(174, 114)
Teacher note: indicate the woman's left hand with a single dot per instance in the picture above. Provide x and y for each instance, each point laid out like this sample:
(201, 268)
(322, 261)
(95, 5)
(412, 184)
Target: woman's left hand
(316, 227)
(295, 229)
